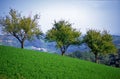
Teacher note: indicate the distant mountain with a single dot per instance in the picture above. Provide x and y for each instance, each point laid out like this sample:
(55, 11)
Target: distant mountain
(38, 44)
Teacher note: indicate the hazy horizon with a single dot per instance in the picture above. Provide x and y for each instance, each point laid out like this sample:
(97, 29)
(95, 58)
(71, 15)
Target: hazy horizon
(83, 14)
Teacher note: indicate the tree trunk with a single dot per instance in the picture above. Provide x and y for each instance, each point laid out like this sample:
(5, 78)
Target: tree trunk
(96, 58)
(20, 40)
(22, 44)
(63, 53)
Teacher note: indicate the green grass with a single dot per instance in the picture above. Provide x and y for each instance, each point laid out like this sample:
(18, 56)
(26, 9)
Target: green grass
(18, 63)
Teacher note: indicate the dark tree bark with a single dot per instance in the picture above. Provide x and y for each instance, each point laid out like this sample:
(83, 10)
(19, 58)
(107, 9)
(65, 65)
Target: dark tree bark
(63, 49)
(63, 53)
(22, 44)
(96, 57)
(20, 40)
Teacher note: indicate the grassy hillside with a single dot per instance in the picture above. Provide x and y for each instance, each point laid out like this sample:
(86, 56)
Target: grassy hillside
(27, 64)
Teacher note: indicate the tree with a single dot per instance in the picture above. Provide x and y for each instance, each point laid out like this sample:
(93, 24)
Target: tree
(64, 35)
(99, 42)
(21, 28)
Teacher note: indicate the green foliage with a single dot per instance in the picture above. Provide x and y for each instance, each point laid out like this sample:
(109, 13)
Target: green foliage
(20, 27)
(64, 35)
(82, 55)
(100, 43)
(27, 64)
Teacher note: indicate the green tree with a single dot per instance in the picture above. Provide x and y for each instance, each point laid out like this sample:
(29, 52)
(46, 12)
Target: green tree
(20, 27)
(64, 35)
(99, 42)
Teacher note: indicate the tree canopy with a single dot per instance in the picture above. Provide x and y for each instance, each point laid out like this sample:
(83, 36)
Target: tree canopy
(20, 27)
(64, 35)
(99, 42)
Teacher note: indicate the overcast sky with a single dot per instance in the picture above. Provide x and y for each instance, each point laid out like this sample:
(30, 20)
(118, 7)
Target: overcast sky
(83, 14)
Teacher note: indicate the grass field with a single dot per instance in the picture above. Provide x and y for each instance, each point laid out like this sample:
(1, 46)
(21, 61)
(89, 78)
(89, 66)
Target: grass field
(18, 63)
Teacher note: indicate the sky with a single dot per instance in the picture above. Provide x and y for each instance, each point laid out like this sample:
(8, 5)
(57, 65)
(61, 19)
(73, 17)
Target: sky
(82, 14)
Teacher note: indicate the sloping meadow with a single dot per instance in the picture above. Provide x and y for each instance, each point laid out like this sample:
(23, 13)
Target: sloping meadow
(18, 63)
